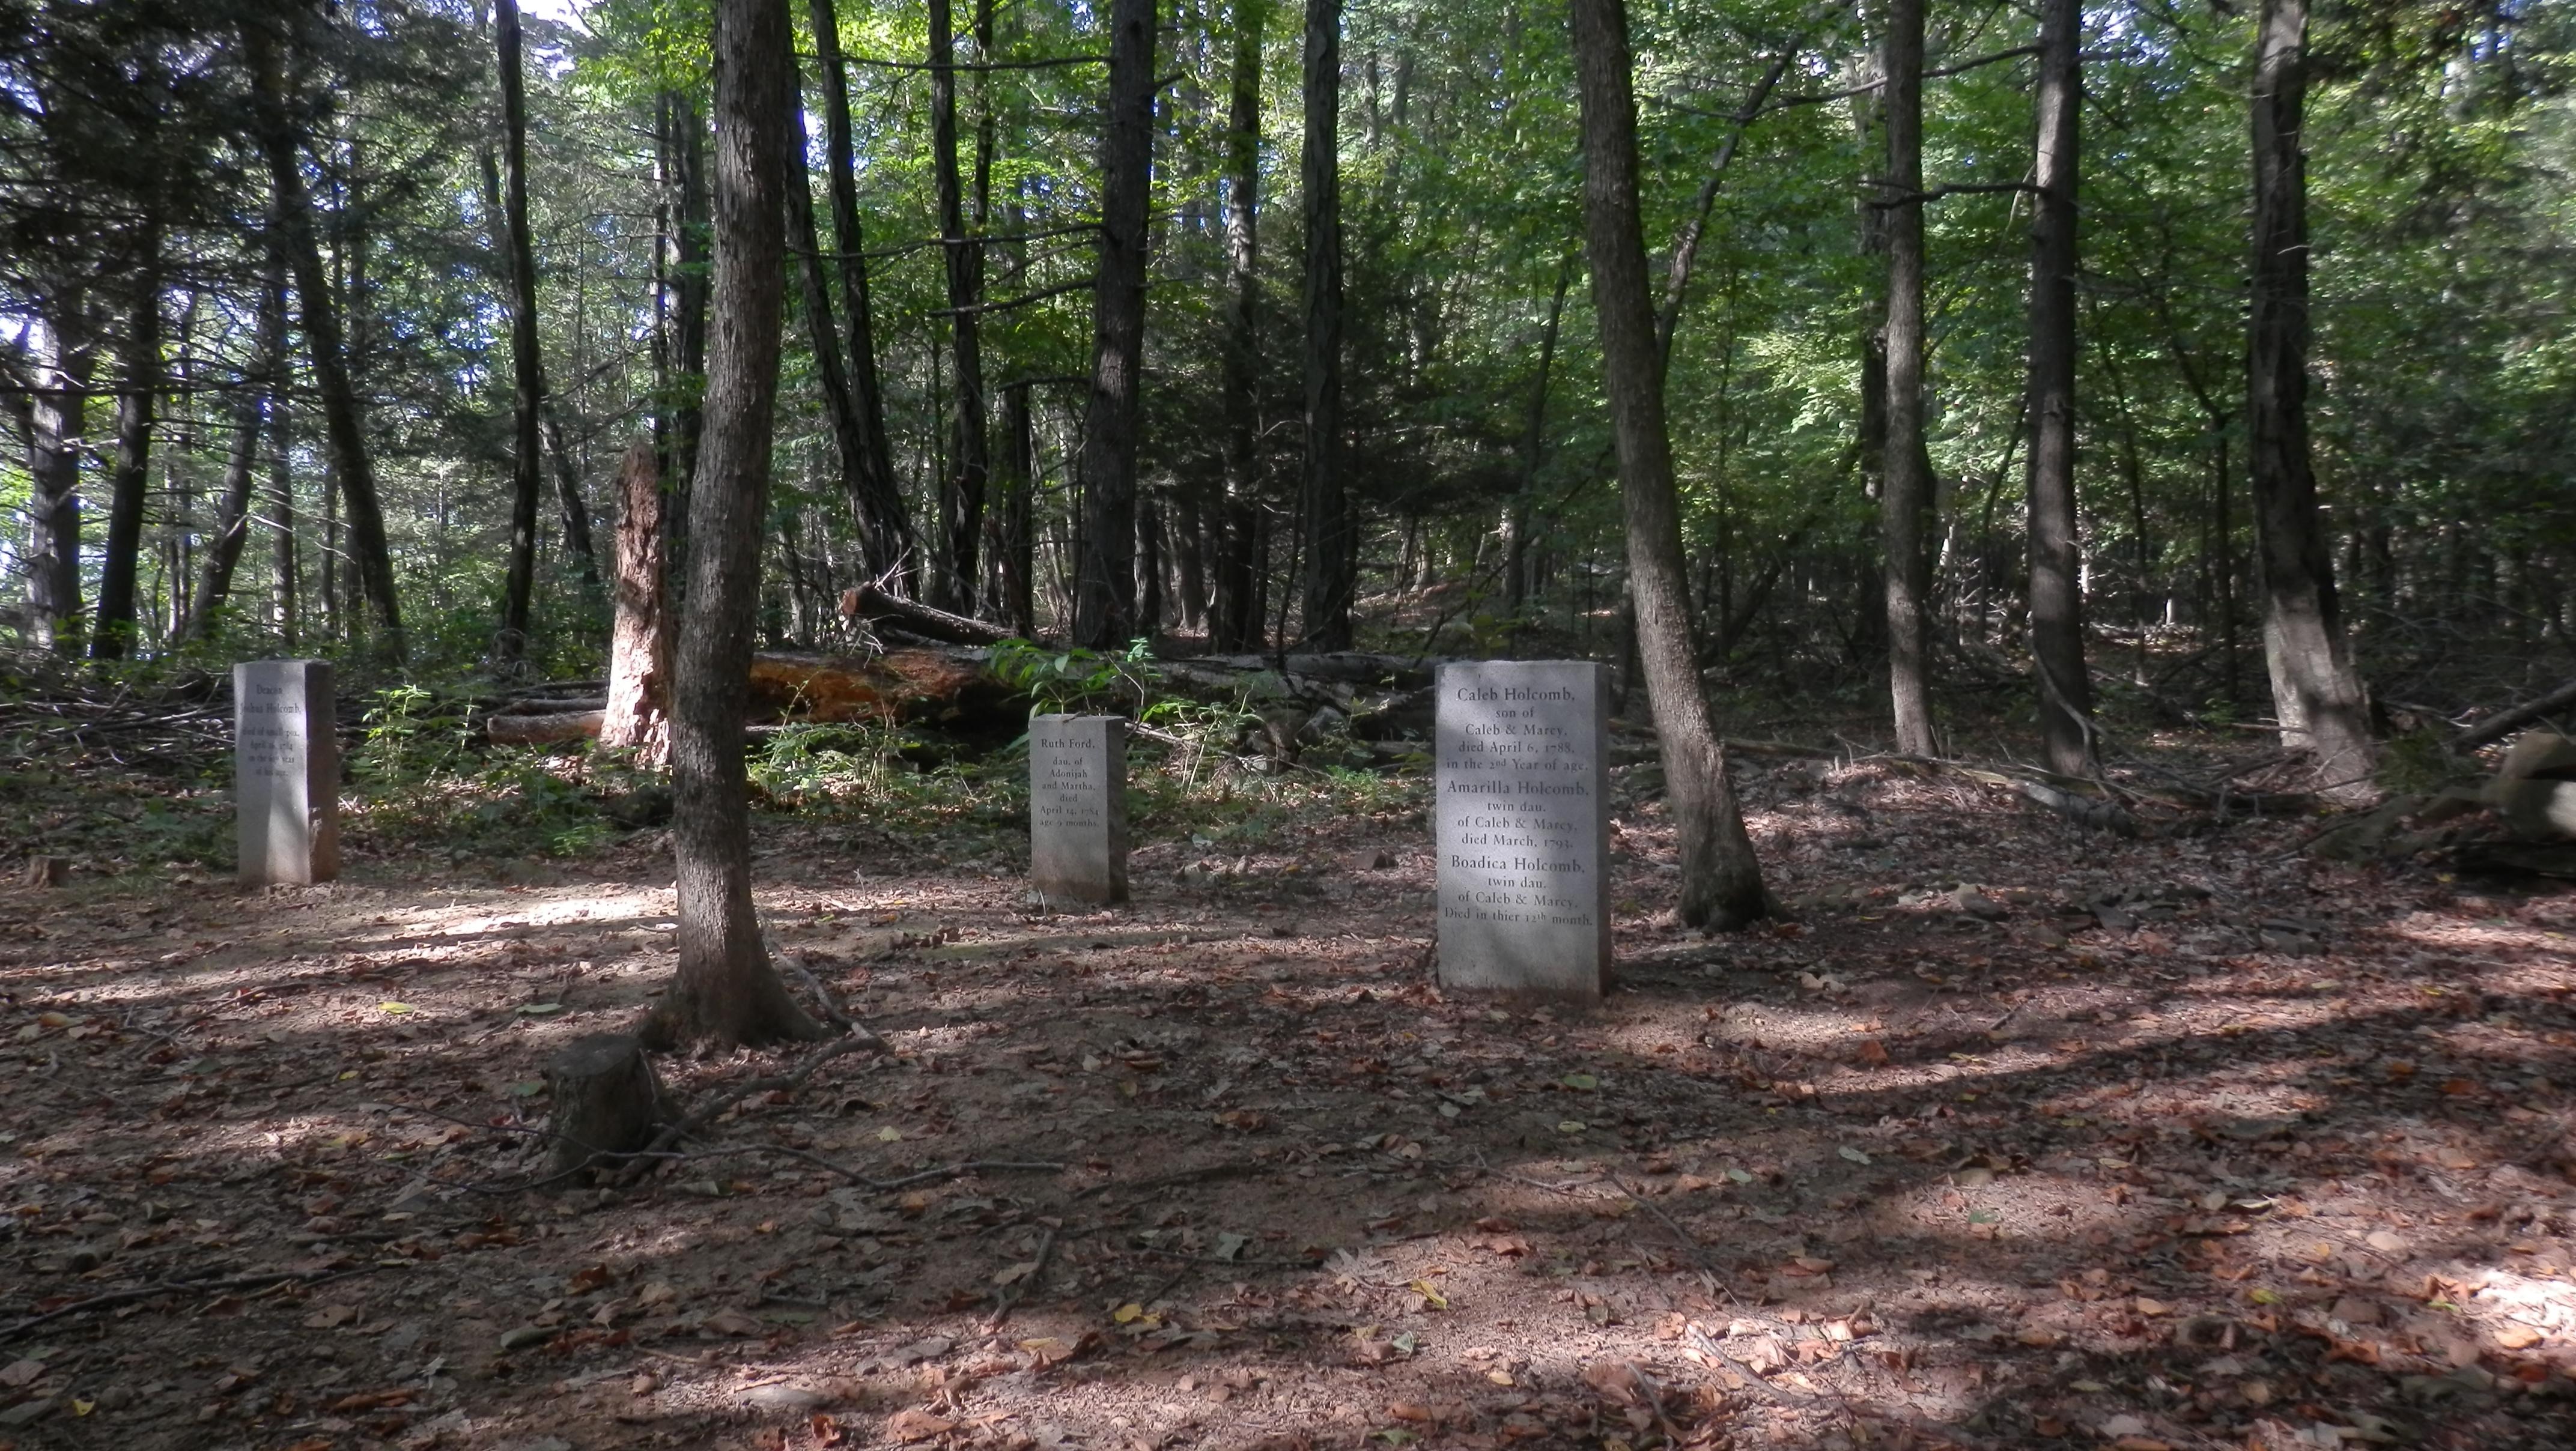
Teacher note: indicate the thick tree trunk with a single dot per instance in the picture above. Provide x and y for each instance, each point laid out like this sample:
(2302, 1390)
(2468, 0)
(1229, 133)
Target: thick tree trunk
(1331, 559)
(130, 481)
(961, 491)
(639, 642)
(1721, 879)
(2056, 586)
(1236, 623)
(517, 251)
(885, 528)
(1905, 490)
(57, 420)
(1104, 603)
(262, 393)
(726, 990)
(343, 423)
(2316, 693)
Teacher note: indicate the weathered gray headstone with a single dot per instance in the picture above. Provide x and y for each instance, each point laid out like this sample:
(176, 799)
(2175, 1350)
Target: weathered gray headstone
(1078, 807)
(1524, 828)
(286, 771)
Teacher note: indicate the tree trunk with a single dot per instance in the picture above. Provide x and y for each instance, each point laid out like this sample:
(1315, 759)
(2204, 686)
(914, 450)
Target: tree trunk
(688, 272)
(286, 569)
(576, 513)
(1104, 604)
(726, 991)
(2056, 586)
(1331, 563)
(57, 420)
(639, 641)
(1533, 451)
(885, 528)
(2316, 693)
(342, 421)
(1236, 623)
(1721, 879)
(262, 393)
(1014, 517)
(528, 378)
(113, 636)
(1905, 490)
(961, 491)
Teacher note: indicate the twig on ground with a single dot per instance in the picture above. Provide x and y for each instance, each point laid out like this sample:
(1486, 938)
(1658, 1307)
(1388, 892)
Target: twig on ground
(182, 1287)
(1004, 1300)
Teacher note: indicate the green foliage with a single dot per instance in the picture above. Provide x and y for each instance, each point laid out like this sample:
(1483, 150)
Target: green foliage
(1078, 681)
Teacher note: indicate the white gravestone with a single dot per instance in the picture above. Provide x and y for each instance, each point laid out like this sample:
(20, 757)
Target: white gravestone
(1524, 828)
(286, 771)
(1078, 807)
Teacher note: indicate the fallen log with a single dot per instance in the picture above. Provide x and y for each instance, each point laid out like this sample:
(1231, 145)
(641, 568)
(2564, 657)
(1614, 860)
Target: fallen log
(947, 688)
(2505, 722)
(870, 602)
(538, 730)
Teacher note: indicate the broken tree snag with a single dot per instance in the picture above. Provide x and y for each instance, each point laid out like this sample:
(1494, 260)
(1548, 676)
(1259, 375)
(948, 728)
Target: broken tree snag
(538, 730)
(638, 717)
(607, 1101)
(871, 603)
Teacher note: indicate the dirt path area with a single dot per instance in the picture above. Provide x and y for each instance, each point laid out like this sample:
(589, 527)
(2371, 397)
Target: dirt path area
(2169, 1144)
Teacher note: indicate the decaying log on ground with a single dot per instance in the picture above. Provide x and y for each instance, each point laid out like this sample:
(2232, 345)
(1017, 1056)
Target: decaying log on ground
(949, 688)
(538, 730)
(606, 1100)
(2504, 723)
(871, 603)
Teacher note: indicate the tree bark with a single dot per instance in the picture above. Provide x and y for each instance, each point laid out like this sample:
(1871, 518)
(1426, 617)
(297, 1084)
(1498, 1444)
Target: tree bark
(885, 527)
(576, 512)
(687, 270)
(1236, 622)
(2316, 693)
(2056, 586)
(961, 491)
(112, 638)
(1721, 879)
(57, 420)
(726, 991)
(1331, 564)
(1905, 489)
(286, 568)
(639, 642)
(262, 393)
(1104, 605)
(527, 367)
(1014, 516)
(1516, 548)
(342, 420)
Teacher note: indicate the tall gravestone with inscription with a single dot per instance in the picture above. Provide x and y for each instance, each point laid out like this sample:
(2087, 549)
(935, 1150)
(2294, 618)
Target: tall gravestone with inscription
(286, 771)
(1078, 807)
(1524, 828)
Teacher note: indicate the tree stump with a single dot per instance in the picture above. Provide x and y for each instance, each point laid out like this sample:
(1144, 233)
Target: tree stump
(607, 1100)
(48, 871)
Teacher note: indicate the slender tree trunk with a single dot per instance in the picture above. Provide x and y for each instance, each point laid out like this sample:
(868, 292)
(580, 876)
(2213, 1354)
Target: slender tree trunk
(131, 480)
(885, 527)
(528, 378)
(726, 990)
(1516, 548)
(262, 394)
(576, 513)
(1104, 604)
(2056, 584)
(1721, 879)
(1905, 490)
(343, 424)
(691, 274)
(57, 421)
(2316, 693)
(1237, 621)
(1331, 559)
(961, 491)
(286, 574)
(1014, 515)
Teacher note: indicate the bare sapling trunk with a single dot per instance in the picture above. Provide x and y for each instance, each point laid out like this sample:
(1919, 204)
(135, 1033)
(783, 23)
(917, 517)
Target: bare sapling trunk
(2056, 583)
(1721, 879)
(726, 991)
(259, 396)
(1905, 489)
(961, 493)
(1236, 619)
(2316, 693)
(639, 649)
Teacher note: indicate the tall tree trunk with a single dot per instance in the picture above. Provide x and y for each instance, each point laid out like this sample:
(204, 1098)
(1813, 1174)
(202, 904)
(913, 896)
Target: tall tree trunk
(1237, 621)
(691, 276)
(343, 424)
(726, 990)
(1104, 602)
(57, 421)
(1905, 488)
(576, 513)
(286, 573)
(1516, 549)
(1721, 879)
(638, 717)
(961, 491)
(263, 391)
(2056, 585)
(1014, 516)
(131, 480)
(885, 528)
(527, 366)
(2316, 693)
(1331, 559)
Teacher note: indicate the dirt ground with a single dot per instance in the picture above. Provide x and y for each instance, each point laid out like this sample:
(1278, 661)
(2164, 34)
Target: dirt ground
(2130, 1144)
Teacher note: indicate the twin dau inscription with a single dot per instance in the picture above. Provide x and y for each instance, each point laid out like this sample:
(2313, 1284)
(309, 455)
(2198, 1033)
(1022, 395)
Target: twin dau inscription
(1523, 828)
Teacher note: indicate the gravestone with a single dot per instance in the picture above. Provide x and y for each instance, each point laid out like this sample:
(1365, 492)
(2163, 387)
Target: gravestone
(1078, 807)
(1524, 828)
(286, 771)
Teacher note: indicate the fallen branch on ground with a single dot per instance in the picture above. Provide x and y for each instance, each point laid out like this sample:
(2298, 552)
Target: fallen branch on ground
(182, 1287)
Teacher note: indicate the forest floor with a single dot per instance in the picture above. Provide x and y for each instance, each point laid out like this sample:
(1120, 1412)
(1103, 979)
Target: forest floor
(2170, 1143)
